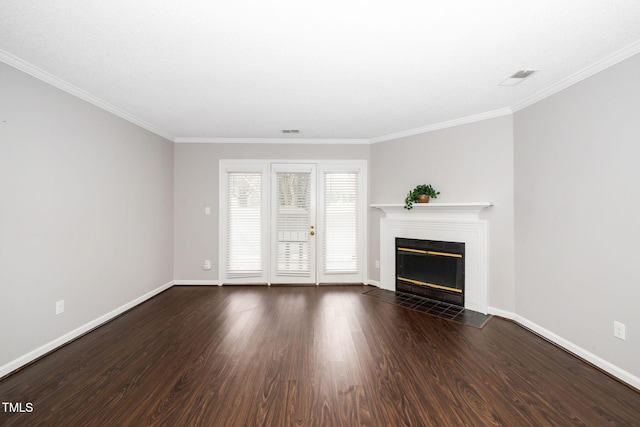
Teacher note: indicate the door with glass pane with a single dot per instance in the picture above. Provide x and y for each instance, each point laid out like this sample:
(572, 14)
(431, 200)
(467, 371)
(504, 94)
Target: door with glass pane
(293, 223)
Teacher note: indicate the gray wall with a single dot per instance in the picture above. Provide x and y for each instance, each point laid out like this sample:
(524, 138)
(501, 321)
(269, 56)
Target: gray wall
(577, 213)
(86, 212)
(468, 163)
(196, 186)
(98, 212)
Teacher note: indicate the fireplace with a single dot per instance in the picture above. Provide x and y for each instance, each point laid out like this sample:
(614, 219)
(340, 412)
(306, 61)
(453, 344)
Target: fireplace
(446, 222)
(431, 268)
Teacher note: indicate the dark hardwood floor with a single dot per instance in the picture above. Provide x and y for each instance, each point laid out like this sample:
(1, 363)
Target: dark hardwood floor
(312, 356)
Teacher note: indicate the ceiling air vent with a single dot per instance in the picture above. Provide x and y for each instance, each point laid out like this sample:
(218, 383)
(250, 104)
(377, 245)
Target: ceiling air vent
(290, 131)
(518, 77)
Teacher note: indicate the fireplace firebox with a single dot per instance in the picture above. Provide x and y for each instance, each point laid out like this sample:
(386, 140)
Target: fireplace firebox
(431, 268)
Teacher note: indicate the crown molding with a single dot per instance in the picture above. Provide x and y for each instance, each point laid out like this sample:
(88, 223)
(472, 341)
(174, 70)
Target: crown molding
(443, 125)
(46, 77)
(586, 72)
(305, 141)
(603, 64)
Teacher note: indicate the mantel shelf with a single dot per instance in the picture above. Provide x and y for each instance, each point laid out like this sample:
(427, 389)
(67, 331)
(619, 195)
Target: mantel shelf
(396, 208)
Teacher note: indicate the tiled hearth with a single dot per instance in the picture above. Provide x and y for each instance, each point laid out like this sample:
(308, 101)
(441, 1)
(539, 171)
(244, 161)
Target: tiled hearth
(428, 306)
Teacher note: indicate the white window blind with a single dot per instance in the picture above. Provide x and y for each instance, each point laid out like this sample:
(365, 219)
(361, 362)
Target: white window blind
(340, 222)
(244, 224)
(293, 204)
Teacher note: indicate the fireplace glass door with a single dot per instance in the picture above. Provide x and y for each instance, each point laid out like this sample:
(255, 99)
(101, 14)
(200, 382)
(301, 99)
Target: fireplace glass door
(431, 268)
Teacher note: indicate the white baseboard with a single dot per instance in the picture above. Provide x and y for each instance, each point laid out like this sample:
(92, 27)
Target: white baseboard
(501, 313)
(609, 367)
(375, 283)
(70, 336)
(197, 283)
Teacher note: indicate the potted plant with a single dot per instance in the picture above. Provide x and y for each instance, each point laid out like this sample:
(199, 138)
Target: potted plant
(420, 194)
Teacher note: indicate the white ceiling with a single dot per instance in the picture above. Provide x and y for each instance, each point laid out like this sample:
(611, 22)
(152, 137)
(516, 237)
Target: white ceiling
(347, 70)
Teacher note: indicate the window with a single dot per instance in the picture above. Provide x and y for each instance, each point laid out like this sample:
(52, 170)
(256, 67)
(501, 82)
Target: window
(341, 217)
(244, 222)
(244, 234)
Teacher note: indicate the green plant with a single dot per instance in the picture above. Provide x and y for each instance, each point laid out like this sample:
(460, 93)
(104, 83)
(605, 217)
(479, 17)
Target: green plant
(414, 194)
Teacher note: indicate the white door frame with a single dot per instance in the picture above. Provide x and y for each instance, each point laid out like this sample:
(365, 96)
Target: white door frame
(226, 165)
(308, 233)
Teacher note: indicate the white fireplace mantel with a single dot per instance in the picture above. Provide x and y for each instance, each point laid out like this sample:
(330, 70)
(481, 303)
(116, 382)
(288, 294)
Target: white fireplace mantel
(453, 222)
(431, 209)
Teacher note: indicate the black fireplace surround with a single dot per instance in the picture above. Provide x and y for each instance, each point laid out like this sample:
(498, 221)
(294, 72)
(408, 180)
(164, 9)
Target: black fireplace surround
(431, 269)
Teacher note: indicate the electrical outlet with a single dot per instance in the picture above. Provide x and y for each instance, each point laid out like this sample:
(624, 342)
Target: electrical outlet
(377, 264)
(60, 306)
(618, 330)
(206, 265)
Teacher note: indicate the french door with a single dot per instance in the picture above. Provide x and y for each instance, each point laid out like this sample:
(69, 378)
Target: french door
(298, 222)
(293, 219)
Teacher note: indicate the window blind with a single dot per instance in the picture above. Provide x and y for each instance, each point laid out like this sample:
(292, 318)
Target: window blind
(244, 224)
(293, 204)
(340, 222)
